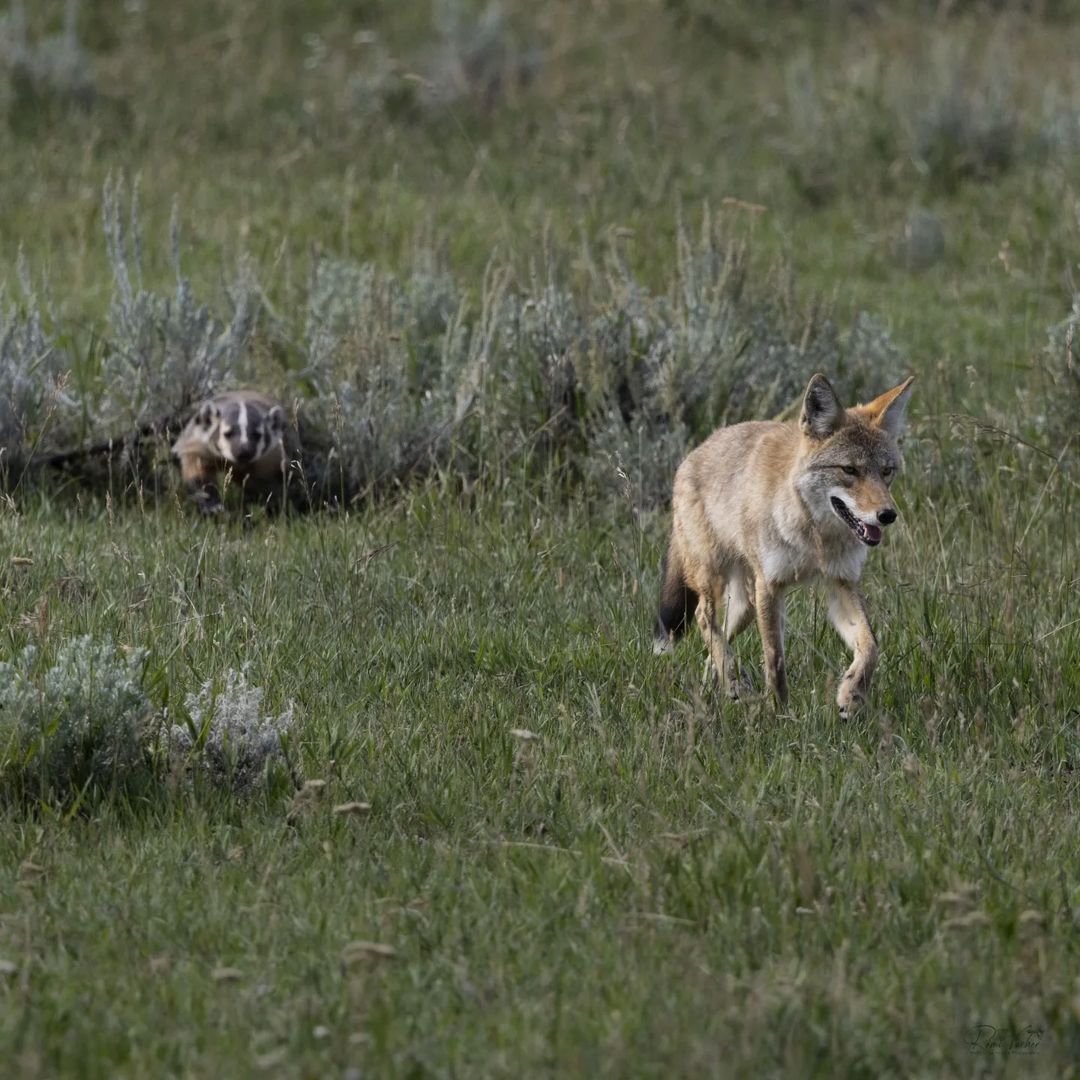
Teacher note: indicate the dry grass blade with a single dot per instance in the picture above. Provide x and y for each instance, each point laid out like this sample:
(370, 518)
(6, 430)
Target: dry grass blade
(358, 952)
(226, 974)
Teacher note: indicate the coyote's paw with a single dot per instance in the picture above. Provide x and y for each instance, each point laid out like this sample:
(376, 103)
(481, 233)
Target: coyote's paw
(738, 684)
(851, 697)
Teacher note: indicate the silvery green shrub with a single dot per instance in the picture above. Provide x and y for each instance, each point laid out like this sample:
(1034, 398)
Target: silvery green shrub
(825, 130)
(717, 349)
(402, 375)
(473, 58)
(230, 741)
(952, 112)
(79, 724)
(55, 67)
(165, 352)
(37, 403)
(377, 355)
(477, 58)
(414, 373)
(1057, 384)
(964, 119)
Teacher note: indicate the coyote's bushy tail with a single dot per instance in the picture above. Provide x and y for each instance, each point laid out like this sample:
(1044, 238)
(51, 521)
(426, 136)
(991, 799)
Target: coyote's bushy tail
(677, 602)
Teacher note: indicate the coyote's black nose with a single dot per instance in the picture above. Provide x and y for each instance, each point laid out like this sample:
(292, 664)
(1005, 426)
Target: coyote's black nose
(886, 517)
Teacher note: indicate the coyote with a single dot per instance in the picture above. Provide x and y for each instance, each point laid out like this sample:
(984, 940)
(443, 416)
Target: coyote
(762, 506)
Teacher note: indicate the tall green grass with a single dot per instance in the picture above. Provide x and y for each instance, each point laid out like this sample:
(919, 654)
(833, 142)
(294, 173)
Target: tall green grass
(583, 858)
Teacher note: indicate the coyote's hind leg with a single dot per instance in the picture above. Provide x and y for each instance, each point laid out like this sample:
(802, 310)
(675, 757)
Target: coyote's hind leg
(738, 615)
(730, 591)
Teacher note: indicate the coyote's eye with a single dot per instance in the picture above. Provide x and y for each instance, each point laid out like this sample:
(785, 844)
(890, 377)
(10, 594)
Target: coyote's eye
(888, 471)
(850, 470)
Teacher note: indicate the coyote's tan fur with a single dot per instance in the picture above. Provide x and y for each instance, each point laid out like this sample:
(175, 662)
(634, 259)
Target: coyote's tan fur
(760, 507)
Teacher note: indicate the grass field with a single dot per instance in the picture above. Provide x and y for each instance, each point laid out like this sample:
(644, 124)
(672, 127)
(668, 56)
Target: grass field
(565, 856)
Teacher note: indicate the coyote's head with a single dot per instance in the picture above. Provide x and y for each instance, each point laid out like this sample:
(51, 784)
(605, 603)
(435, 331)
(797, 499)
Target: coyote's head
(850, 458)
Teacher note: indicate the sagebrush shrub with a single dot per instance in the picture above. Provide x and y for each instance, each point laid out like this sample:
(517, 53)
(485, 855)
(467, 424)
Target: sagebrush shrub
(951, 112)
(401, 375)
(414, 374)
(79, 725)
(964, 120)
(1057, 385)
(836, 126)
(230, 741)
(376, 355)
(477, 58)
(54, 68)
(473, 59)
(37, 404)
(165, 352)
(921, 244)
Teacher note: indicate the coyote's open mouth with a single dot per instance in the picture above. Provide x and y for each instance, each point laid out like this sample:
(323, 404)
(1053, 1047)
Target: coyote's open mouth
(868, 534)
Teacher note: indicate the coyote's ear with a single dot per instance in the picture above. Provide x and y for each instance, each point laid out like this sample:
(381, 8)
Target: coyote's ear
(887, 411)
(822, 413)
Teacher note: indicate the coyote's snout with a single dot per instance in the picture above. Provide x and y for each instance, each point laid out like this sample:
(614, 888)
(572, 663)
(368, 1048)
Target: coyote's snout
(760, 507)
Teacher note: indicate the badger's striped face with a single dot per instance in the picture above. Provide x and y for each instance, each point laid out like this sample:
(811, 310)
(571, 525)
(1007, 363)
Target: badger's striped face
(242, 431)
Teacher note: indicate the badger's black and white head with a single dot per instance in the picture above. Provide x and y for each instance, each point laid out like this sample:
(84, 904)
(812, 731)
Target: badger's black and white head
(242, 431)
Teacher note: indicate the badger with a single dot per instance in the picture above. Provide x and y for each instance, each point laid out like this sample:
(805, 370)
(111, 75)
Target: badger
(242, 434)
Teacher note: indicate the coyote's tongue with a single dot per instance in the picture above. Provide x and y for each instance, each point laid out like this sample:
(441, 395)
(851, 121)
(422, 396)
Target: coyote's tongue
(873, 533)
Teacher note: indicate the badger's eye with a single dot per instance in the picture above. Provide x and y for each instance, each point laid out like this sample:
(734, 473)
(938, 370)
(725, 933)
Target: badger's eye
(850, 470)
(227, 432)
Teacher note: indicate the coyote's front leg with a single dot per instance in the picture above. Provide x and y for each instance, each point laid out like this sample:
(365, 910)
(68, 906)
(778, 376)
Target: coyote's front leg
(847, 612)
(769, 601)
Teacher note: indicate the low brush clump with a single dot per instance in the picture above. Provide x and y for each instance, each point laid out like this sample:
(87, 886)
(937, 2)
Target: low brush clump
(84, 727)
(474, 61)
(229, 741)
(478, 59)
(35, 405)
(161, 354)
(165, 352)
(1058, 396)
(77, 728)
(967, 123)
(399, 376)
(609, 384)
(48, 74)
(373, 352)
(949, 114)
